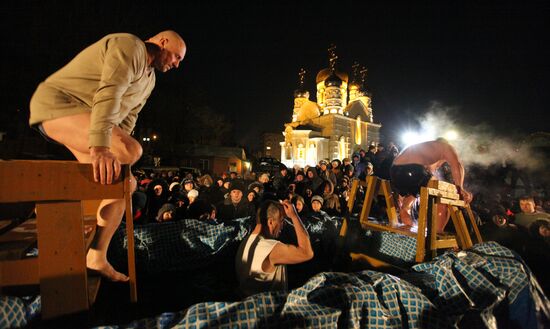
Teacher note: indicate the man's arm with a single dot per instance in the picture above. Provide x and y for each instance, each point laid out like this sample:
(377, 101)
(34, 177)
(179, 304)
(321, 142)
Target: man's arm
(290, 254)
(457, 171)
(116, 76)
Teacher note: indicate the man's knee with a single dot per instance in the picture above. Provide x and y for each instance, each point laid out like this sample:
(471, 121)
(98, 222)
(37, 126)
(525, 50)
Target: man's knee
(131, 152)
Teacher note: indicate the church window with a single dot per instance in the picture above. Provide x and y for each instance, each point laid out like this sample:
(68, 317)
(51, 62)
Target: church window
(342, 148)
(288, 151)
(358, 130)
(301, 154)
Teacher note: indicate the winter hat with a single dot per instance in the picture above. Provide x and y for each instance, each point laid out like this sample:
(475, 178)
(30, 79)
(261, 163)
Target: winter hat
(172, 185)
(165, 208)
(236, 185)
(193, 193)
(317, 198)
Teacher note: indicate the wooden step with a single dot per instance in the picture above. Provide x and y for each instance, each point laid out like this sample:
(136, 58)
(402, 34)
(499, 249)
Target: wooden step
(404, 230)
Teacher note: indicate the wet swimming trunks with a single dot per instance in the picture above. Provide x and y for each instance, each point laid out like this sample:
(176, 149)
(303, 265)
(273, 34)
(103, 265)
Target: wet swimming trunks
(407, 179)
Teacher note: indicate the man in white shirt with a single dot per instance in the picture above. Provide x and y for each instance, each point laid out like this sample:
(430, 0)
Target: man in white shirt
(261, 259)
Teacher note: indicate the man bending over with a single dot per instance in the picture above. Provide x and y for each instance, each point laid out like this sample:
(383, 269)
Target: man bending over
(91, 106)
(416, 165)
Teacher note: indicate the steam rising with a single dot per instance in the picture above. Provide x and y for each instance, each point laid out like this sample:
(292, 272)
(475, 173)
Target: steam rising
(479, 144)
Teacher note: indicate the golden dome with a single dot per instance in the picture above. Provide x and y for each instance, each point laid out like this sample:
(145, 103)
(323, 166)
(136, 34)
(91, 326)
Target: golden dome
(308, 110)
(325, 73)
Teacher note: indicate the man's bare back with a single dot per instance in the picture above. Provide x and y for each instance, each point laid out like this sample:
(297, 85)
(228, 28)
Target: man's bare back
(431, 155)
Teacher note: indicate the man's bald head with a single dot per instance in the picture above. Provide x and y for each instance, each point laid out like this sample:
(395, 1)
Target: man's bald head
(172, 50)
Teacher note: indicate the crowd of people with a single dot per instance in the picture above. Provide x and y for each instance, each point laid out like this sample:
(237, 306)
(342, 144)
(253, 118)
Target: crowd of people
(320, 193)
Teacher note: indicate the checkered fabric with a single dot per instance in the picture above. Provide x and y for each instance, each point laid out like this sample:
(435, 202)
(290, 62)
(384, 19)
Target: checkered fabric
(12, 312)
(176, 246)
(459, 290)
(454, 290)
(395, 245)
(467, 278)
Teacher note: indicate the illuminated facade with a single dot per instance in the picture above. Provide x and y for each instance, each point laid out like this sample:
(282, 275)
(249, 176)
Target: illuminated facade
(338, 124)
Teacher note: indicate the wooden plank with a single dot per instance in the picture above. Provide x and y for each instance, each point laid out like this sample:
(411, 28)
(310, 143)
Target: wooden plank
(387, 228)
(433, 224)
(422, 222)
(391, 209)
(445, 243)
(372, 187)
(53, 180)
(444, 194)
(89, 208)
(130, 236)
(473, 222)
(21, 272)
(353, 194)
(463, 229)
(344, 228)
(441, 185)
(62, 259)
(458, 203)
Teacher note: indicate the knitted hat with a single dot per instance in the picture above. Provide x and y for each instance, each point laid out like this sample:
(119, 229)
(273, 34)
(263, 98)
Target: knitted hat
(165, 208)
(317, 198)
(193, 193)
(236, 185)
(172, 185)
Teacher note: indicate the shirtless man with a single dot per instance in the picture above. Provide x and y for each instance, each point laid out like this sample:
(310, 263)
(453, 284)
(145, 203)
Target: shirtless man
(416, 165)
(91, 106)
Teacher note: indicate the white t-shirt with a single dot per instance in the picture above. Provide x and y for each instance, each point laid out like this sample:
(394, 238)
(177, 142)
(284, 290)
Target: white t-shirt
(248, 264)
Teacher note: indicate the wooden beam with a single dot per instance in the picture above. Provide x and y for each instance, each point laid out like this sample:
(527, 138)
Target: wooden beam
(52, 181)
(62, 259)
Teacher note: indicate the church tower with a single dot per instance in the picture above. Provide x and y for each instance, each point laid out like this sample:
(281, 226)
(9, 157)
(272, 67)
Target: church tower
(330, 127)
(332, 87)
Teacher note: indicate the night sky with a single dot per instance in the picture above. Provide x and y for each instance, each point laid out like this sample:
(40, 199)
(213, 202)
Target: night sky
(487, 62)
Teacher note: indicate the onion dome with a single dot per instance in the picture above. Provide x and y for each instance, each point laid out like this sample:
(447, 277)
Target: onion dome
(325, 73)
(333, 80)
(301, 93)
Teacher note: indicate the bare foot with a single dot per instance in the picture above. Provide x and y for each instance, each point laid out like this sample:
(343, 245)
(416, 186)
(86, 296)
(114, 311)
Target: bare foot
(105, 269)
(108, 272)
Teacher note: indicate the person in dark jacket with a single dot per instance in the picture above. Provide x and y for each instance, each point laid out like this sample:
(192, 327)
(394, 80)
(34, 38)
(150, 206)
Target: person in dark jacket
(313, 181)
(157, 194)
(235, 205)
(281, 182)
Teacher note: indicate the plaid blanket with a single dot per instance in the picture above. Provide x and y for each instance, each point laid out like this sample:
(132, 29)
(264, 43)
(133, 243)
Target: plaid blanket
(177, 246)
(485, 287)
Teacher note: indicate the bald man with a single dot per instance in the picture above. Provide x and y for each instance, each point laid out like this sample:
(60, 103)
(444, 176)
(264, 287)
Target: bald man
(416, 165)
(91, 106)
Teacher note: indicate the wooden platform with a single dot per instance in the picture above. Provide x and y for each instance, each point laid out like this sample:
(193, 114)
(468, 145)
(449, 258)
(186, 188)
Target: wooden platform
(428, 241)
(64, 230)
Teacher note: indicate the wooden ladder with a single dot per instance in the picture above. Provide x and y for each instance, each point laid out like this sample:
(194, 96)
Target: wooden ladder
(60, 190)
(437, 192)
